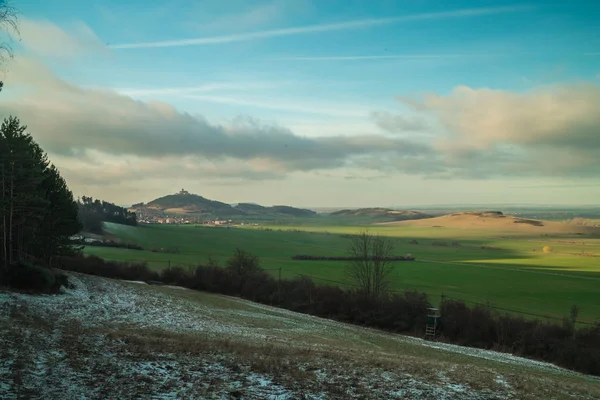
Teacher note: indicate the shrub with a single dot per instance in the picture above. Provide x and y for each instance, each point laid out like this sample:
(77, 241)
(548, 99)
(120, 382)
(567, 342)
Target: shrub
(474, 326)
(93, 265)
(214, 279)
(110, 243)
(176, 276)
(260, 287)
(30, 277)
(346, 258)
(243, 263)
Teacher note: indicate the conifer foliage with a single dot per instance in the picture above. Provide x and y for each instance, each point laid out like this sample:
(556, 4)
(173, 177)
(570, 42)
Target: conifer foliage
(38, 214)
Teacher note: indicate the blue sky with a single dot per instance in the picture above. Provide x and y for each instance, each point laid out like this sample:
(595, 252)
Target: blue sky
(331, 74)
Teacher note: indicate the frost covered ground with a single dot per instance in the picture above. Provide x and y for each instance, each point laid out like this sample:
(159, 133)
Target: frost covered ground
(107, 339)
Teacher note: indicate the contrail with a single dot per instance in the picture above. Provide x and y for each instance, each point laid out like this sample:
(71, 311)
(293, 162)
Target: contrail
(471, 12)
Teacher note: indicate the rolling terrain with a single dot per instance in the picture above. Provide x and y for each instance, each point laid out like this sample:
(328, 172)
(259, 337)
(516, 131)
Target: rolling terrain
(378, 214)
(104, 338)
(498, 222)
(508, 271)
(185, 203)
(188, 204)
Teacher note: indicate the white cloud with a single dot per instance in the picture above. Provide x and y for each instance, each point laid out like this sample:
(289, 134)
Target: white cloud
(101, 137)
(550, 131)
(332, 110)
(71, 122)
(46, 39)
(209, 87)
(374, 57)
(355, 24)
(250, 18)
(399, 123)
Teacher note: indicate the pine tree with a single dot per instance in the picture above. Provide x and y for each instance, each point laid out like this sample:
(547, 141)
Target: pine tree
(38, 211)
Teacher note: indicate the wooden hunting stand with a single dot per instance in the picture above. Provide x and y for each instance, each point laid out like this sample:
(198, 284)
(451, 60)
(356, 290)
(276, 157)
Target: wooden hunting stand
(433, 316)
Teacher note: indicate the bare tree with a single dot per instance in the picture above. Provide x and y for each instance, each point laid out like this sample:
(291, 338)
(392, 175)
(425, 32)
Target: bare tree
(370, 266)
(9, 24)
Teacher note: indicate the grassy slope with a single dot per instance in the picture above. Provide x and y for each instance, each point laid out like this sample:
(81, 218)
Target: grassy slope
(125, 340)
(513, 277)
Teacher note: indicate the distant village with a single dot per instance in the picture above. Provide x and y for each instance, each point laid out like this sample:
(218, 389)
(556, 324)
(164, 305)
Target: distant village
(179, 220)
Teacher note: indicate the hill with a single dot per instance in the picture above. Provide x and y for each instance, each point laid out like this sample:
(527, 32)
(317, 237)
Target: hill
(378, 213)
(185, 203)
(497, 221)
(93, 212)
(188, 203)
(112, 339)
(255, 209)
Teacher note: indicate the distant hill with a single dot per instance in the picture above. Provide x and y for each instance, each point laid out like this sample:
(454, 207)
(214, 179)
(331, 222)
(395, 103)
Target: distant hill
(188, 203)
(93, 212)
(382, 214)
(497, 221)
(183, 203)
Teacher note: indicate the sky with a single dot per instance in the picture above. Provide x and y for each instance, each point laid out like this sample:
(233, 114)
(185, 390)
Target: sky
(313, 104)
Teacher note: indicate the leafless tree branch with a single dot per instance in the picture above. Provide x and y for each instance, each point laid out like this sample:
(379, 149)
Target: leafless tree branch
(9, 23)
(371, 265)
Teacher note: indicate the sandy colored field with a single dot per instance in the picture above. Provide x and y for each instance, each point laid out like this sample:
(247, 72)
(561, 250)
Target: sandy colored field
(110, 339)
(513, 225)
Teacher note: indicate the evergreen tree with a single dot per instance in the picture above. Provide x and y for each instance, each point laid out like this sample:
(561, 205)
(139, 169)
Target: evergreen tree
(38, 211)
(60, 218)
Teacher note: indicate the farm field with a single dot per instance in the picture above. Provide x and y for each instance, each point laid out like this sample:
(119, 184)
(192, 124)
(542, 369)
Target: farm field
(512, 272)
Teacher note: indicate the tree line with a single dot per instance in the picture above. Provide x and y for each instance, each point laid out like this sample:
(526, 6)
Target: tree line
(92, 212)
(37, 209)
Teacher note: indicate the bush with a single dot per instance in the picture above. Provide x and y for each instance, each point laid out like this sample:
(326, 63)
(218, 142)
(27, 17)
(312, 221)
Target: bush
(476, 326)
(346, 258)
(176, 276)
(93, 265)
(552, 342)
(32, 278)
(243, 263)
(214, 279)
(110, 243)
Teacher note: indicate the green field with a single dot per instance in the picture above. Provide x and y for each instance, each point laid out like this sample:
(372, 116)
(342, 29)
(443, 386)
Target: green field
(516, 274)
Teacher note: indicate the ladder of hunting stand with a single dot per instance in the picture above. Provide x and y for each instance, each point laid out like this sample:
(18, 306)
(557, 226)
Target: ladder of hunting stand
(433, 315)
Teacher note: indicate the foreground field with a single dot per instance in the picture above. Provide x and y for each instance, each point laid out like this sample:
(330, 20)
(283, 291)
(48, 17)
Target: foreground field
(510, 272)
(126, 340)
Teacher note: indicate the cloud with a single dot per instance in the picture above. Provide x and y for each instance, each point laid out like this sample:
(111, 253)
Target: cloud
(46, 39)
(355, 24)
(101, 137)
(398, 123)
(72, 122)
(103, 169)
(549, 131)
(373, 57)
(251, 18)
(470, 133)
(332, 110)
(209, 87)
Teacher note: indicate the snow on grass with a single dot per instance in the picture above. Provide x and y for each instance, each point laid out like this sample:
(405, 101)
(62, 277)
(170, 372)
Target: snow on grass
(313, 324)
(79, 345)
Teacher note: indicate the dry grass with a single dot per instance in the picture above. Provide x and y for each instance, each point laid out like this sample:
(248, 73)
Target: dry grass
(59, 354)
(493, 223)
